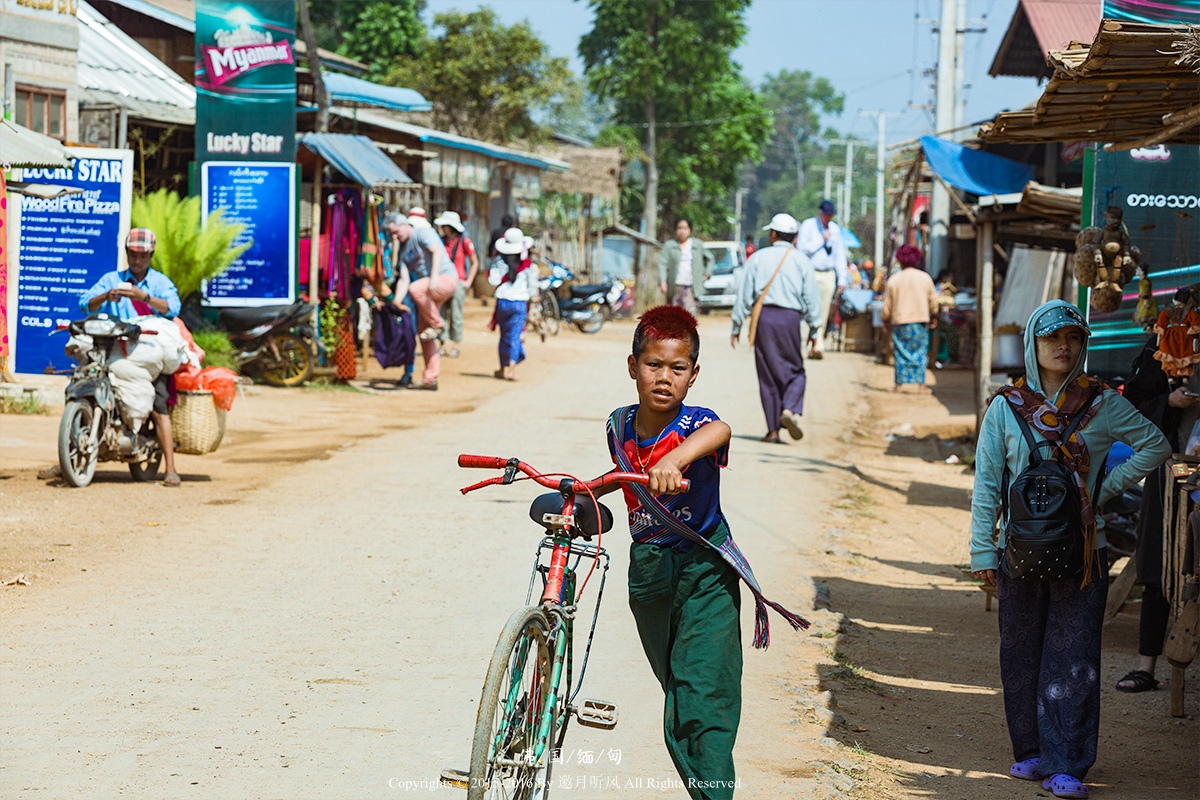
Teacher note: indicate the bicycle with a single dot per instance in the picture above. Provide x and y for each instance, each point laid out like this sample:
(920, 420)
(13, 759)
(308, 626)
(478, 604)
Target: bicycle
(530, 690)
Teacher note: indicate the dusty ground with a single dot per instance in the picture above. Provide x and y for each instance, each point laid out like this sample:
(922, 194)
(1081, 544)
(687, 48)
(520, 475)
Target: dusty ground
(310, 615)
(917, 677)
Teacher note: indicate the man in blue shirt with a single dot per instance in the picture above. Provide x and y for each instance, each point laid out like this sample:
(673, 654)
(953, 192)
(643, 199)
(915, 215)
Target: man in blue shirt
(120, 293)
(137, 292)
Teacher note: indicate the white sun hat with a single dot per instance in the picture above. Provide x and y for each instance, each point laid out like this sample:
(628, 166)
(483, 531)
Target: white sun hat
(513, 242)
(450, 219)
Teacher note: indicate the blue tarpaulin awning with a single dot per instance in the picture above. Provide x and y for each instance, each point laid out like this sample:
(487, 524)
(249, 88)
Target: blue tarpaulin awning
(357, 158)
(348, 89)
(851, 241)
(974, 171)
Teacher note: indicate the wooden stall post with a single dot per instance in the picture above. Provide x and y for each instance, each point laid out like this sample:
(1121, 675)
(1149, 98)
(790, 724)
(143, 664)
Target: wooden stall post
(314, 249)
(983, 320)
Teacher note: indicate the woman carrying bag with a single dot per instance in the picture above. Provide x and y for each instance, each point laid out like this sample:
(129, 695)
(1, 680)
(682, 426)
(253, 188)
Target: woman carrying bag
(1050, 624)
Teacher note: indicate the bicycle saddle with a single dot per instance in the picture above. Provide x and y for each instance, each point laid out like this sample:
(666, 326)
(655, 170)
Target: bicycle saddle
(585, 513)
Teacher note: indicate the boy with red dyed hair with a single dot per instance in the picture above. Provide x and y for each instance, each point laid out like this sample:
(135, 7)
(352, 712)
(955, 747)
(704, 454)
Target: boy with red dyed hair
(684, 566)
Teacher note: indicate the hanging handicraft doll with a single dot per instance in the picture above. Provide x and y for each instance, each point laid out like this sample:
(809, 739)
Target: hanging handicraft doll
(1147, 307)
(1105, 261)
(1178, 329)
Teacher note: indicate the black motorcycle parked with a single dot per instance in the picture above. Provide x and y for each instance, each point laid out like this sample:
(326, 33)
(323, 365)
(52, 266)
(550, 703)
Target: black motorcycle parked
(588, 306)
(276, 342)
(92, 428)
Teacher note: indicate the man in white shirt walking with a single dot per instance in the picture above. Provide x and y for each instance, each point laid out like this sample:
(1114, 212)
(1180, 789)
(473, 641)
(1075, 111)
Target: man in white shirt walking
(820, 239)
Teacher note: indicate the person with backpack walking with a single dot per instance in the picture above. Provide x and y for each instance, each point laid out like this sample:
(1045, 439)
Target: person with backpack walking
(1038, 465)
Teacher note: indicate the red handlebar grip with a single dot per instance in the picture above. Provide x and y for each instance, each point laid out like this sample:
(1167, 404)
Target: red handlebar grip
(482, 462)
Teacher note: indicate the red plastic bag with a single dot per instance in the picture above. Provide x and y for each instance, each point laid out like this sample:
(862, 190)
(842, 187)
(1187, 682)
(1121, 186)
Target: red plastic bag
(187, 378)
(222, 383)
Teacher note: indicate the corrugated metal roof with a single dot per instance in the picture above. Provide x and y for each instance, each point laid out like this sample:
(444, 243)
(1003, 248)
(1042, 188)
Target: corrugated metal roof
(348, 89)
(113, 68)
(1039, 26)
(357, 158)
(454, 141)
(1057, 23)
(21, 147)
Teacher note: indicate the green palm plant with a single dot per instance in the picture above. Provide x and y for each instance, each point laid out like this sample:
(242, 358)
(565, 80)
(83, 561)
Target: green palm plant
(188, 253)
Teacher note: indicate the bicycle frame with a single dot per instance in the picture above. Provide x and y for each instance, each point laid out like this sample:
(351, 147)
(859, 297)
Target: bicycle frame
(518, 709)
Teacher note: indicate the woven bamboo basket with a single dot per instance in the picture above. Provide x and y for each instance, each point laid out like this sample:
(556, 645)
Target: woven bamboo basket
(197, 423)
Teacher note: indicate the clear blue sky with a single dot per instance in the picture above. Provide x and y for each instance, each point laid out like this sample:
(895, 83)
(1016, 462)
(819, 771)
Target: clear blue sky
(874, 51)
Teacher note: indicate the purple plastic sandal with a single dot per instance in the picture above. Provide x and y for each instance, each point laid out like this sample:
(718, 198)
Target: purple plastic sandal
(1064, 785)
(1025, 770)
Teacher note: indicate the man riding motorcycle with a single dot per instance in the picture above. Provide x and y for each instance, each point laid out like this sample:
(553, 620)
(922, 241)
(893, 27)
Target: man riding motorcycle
(136, 292)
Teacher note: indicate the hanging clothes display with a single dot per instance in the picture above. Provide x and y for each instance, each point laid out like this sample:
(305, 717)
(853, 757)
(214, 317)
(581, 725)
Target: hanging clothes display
(345, 219)
(370, 256)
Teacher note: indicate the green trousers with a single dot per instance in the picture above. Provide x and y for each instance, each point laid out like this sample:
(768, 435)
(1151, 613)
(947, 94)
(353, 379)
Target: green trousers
(686, 608)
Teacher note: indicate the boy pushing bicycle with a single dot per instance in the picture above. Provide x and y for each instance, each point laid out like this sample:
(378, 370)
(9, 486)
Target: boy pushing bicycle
(684, 566)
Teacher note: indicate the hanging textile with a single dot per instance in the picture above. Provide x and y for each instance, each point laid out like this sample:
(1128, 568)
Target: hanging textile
(370, 261)
(344, 229)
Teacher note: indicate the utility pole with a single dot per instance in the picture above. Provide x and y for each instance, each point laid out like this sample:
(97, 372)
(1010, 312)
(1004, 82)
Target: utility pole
(880, 168)
(847, 177)
(939, 205)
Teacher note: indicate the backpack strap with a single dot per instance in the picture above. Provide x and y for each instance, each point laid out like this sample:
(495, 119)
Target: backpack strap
(1033, 441)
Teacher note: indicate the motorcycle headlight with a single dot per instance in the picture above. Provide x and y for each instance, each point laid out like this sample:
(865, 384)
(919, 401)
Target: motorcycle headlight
(100, 327)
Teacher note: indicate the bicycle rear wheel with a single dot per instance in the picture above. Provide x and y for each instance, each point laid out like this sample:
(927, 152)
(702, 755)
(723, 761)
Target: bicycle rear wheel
(508, 757)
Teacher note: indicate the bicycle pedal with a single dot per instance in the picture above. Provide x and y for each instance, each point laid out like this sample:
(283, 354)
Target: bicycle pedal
(597, 714)
(457, 778)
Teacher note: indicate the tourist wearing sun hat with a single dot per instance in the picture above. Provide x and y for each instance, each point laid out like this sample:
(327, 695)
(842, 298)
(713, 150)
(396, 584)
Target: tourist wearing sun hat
(782, 277)
(461, 250)
(516, 282)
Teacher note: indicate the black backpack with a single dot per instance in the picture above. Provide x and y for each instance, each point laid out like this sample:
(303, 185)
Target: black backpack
(1044, 531)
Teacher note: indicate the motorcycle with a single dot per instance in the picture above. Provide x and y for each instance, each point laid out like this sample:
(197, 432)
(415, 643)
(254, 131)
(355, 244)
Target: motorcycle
(92, 428)
(547, 317)
(277, 342)
(588, 306)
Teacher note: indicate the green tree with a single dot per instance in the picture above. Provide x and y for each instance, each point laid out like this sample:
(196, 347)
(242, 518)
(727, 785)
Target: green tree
(375, 32)
(667, 67)
(188, 252)
(486, 79)
(384, 34)
(786, 179)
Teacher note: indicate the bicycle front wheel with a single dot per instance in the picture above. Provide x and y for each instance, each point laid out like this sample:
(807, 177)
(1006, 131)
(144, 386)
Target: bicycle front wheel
(509, 759)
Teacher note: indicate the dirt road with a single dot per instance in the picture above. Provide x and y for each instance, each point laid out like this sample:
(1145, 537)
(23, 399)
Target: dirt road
(311, 614)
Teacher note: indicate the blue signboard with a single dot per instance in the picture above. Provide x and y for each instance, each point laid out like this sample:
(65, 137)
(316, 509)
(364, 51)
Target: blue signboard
(64, 245)
(261, 196)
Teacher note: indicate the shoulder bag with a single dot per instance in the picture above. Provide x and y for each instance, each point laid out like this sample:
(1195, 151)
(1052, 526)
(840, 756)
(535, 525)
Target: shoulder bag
(756, 311)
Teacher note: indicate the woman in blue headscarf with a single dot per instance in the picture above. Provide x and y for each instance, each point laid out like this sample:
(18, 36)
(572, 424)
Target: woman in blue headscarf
(1050, 629)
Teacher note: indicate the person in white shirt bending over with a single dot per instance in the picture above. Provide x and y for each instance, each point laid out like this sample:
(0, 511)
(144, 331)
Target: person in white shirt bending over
(821, 240)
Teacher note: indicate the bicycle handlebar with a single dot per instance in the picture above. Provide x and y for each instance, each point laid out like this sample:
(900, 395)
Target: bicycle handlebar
(496, 462)
(482, 462)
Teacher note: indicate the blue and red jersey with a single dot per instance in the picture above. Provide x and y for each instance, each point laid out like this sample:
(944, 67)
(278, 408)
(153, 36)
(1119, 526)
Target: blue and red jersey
(700, 507)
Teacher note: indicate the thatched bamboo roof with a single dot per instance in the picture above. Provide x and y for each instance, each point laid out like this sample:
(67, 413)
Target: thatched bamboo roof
(594, 171)
(1131, 87)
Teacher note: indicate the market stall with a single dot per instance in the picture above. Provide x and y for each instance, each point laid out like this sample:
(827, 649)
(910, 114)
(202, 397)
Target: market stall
(1181, 567)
